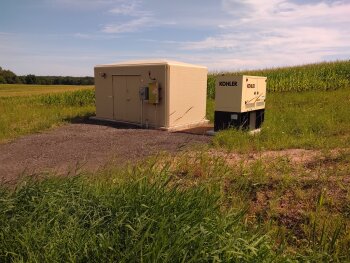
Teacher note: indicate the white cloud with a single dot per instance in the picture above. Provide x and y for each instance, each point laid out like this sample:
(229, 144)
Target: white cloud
(300, 38)
(130, 8)
(125, 9)
(130, 26)
(5, 34)
(94, 36)
(82, 4)
(139, 18)
(270, 12)
(277, 32)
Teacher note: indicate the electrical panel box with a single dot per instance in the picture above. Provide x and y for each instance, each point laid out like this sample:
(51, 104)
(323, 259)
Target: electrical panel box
(144, 93)
(239, 102)
(153, 93)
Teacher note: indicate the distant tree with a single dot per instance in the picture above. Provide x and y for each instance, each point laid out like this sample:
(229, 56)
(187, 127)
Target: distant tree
(22, 79)
(30, 79)
(7, 76)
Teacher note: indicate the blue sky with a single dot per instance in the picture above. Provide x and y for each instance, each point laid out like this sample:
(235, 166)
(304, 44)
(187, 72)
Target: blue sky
(69, 37)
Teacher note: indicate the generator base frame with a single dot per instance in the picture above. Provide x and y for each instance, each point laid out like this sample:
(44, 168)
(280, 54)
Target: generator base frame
(250, 120)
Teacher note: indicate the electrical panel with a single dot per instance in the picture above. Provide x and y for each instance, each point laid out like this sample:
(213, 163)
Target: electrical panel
(144, 93)
(153, 93)
(239, 102)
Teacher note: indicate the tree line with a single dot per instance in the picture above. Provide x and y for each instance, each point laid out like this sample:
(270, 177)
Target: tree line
(8, 77)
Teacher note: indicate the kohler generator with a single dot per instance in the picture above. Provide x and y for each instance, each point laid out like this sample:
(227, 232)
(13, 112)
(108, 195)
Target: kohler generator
(239, 102)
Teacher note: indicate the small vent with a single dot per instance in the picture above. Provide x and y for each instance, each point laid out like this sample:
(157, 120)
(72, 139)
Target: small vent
(258, 104)
(250, 105)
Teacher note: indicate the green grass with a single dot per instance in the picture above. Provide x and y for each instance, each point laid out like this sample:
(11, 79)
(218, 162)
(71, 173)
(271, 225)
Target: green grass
(192, 208)
(310, 120)
(124, 218)
(20, 115)
(14, 90)
(320, 76)
(307, 107)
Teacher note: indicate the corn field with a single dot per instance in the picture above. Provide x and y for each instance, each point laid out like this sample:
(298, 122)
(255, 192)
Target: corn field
(321, 76)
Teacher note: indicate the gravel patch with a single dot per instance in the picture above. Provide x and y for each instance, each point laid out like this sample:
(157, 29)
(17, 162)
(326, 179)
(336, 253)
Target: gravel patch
(87, 146)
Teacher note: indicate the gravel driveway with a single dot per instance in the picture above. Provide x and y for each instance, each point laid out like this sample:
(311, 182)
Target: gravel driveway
(63, 149)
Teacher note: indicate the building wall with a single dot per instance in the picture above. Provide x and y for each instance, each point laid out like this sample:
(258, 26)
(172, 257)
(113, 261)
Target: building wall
(183, 93)
(104, 95)
(187, 95)
(106, 92)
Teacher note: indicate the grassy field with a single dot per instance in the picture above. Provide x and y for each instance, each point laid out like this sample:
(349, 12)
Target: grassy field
(209, 205)
(15, 90)
(192, 208)
(20, 115)
(309, 120)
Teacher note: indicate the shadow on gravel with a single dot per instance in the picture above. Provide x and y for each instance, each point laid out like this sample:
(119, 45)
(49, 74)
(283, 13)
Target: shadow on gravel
(88, 120)
(202, 130)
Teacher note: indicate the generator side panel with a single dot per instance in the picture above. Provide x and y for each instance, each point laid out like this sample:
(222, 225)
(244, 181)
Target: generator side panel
(187, 95)
(253, 93)
(103, 94)
(260, 103)
(228, 93)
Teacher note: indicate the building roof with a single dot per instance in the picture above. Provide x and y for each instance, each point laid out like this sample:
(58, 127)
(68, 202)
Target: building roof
(151, 62)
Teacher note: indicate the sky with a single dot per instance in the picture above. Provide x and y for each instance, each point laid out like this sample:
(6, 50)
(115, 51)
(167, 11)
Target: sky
(70, 37)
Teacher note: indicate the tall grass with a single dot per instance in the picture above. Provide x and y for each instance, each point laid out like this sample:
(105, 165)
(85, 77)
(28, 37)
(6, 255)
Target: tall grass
(192, 208)
(76, 98)
(24, 115)
(126, 218)
(320, 76)
(298, 204)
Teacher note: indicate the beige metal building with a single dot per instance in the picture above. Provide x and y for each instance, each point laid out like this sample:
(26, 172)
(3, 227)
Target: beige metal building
(161, 94)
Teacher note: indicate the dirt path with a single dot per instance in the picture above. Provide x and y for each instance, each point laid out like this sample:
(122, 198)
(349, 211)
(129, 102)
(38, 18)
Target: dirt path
(91, 146)
(298, 156)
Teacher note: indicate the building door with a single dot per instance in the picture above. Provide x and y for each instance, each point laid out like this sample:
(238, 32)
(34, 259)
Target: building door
(126, 99)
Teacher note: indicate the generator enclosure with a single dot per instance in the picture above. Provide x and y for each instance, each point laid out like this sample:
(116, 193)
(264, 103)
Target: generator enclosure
(239, 102)
(158, 94)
